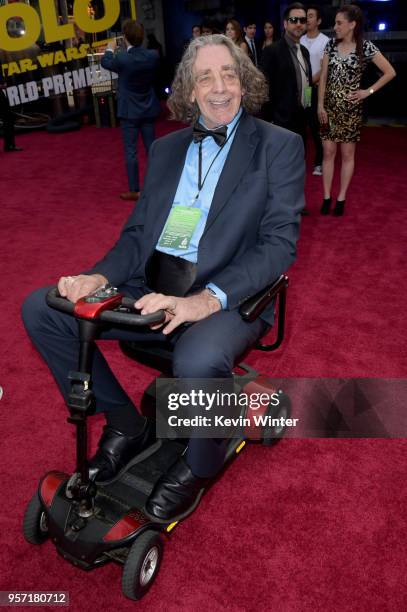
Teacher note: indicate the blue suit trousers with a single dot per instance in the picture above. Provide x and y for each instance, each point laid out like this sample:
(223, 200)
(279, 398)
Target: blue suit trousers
(130, 131)
(206, 349)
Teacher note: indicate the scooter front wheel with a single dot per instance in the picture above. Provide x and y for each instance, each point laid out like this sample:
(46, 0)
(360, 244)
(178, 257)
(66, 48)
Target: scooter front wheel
(35, 526)
(142, 564)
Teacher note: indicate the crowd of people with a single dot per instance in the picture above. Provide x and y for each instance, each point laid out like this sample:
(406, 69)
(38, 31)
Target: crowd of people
(314, 86)
(315, 83)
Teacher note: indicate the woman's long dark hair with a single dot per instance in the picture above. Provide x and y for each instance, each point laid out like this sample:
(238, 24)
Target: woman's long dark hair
(238, 29)
(354, 13)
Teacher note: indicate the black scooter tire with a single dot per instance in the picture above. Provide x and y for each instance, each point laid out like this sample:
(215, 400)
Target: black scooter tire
(147, 548)
(272, 435)
(34, 523)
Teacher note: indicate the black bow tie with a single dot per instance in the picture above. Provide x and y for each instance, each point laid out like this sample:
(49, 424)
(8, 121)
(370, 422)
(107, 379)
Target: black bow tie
(200, 132)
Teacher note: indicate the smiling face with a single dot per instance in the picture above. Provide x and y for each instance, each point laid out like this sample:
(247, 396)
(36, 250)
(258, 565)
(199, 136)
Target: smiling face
(217, 89)
(343, 27)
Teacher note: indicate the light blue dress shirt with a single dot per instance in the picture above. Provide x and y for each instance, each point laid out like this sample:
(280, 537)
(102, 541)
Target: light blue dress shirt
(188, 189)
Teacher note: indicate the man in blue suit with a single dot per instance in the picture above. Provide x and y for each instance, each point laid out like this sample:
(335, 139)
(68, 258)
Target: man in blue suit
(217, 221)
(138, 105)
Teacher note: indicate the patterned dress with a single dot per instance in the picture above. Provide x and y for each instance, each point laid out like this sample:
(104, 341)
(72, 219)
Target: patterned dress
(344, 77)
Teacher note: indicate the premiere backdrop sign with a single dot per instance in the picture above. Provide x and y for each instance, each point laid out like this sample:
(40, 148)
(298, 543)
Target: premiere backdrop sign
(37, 73)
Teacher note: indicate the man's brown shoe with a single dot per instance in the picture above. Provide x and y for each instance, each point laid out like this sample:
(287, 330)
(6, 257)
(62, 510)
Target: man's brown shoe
(130, 195)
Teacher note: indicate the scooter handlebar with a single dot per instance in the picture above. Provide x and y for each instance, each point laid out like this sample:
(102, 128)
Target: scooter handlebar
(55, 300)
(136, 320)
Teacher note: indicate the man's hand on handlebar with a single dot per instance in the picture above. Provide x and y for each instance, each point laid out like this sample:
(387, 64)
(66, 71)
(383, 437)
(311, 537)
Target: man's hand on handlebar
(178, 310)
(75, 287)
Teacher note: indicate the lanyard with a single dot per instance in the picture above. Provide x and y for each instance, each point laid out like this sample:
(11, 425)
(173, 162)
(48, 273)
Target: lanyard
(294, 52)
(200, 182)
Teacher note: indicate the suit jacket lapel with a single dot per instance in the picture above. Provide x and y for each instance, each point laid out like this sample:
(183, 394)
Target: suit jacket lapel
(239, 158)
(289, 60)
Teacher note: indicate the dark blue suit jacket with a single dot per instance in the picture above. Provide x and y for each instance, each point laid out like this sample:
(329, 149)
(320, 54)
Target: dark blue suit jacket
(253, 223)
(136, 68)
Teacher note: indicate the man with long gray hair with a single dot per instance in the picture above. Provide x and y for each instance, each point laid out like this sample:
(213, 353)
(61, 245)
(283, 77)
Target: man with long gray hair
(217, 221)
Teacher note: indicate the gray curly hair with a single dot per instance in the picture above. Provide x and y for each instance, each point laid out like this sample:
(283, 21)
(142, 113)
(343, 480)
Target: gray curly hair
(252, 81)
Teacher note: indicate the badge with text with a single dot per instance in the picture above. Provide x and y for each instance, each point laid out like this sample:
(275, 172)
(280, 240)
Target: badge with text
(307, 96)
(180, 227)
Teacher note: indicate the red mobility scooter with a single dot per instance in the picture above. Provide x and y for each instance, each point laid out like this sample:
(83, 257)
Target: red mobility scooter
(92, 523)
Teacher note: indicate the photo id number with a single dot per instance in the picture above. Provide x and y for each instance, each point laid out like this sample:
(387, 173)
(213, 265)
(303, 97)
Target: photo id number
(34, 598)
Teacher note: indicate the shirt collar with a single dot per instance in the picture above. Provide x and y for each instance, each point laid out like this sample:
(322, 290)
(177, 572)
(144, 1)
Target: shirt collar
(290, 41)
(230, 125)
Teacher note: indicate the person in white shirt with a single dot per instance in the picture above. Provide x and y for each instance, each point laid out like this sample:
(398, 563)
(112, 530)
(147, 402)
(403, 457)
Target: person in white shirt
(315, 41)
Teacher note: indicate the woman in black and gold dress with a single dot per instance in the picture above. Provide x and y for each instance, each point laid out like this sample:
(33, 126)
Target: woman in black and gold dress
(340, 97)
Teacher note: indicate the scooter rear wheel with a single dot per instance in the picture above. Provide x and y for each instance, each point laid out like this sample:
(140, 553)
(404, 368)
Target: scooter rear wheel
(35, 526)
(272, 434)
(142, 565)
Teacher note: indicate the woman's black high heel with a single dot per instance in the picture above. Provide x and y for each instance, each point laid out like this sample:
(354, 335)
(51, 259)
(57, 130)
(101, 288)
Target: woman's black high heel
(339, 208)
(326, 206)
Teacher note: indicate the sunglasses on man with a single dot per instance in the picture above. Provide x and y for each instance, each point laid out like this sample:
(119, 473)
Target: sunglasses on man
(297, 20)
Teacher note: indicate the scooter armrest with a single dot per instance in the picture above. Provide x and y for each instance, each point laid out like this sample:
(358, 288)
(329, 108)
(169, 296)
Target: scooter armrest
(252, 308)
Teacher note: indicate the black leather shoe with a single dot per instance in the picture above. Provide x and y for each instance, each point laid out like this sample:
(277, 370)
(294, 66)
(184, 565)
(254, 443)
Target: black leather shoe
(305, 212)
(326, 206)
(339, 208)
(176, 494)
(115, 450)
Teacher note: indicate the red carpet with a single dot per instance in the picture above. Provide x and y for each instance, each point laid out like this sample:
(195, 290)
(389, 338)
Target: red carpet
(308, 525)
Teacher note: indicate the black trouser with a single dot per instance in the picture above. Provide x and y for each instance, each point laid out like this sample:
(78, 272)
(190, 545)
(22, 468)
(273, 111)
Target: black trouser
(297, 123)
(299, 120)
(7, 117)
